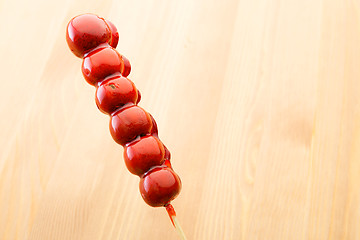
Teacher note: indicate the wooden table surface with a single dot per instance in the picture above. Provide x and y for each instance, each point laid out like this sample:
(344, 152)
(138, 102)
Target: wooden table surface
(258, 102)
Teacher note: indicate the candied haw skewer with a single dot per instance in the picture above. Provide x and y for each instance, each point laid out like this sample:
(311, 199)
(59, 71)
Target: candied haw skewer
(94, 39)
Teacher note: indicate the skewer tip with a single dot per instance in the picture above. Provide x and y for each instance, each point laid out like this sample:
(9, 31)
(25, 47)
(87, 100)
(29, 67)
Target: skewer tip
(172, 214)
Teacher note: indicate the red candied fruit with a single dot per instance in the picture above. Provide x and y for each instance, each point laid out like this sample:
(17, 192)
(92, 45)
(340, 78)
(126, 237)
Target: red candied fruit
(167, 157)
(167, 153)
(154, 130)
(143, 154)
(114, 34)
(128, 123)
(86, 32)
(127, 66)
(100, 64)
(115, 92)
(159, 186)
(139, 97)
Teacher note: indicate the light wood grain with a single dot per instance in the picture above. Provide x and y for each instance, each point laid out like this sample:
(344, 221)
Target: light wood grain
(258, 102)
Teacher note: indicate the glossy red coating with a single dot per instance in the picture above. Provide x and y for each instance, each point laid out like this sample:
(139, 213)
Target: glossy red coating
(127, 66)
(159, 186)
(100, 64)
(114, 34)
(167, 153)
(128, 123)
(86, 32)
(115, 92)
(171, 211)
(167, 163)
(154, 129)
(139, 97)
(143, 154)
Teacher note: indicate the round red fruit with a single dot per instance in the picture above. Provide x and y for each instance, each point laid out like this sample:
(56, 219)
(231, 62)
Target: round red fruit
(154, 129)
(143, 154)
(127, 66)
(167, 153)
(86, 32)
(100, 64)
(159, 186)
(128, 123)
(114, 34)
(139, 97)
(115, 92)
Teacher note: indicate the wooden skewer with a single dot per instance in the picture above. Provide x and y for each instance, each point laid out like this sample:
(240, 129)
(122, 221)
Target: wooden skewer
(170, 210)
(178, 228)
